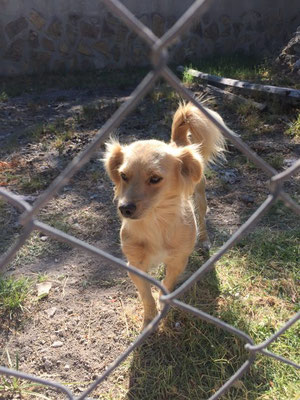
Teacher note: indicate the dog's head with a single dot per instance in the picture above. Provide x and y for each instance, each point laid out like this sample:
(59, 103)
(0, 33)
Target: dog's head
(151, 174)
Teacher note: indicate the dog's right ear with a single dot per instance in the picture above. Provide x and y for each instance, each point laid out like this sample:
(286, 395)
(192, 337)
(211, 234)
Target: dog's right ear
(113, 158)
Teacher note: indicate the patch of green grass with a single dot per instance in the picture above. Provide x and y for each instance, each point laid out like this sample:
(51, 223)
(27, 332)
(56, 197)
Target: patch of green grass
(37, 248)
(276, 161)
(13, 293)
(3, 97)
(187, 78)
(281, 217)
(12, 386)
(242, 67)
(90, 112)
(163, 92)
(45, 133)
(35, 182)
(294, 128)
(238, 66)
(61, 138)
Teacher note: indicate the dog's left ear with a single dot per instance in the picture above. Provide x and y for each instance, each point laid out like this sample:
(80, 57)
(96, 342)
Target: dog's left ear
(113, 159)
(191, 163)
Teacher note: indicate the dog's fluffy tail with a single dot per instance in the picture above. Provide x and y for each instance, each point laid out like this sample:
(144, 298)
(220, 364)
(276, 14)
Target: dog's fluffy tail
(190, 125)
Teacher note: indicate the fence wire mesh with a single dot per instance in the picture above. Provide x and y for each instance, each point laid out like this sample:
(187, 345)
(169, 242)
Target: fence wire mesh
(159, 59)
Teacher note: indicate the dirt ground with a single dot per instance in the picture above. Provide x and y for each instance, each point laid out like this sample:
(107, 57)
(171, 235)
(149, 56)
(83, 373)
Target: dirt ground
(92, 313)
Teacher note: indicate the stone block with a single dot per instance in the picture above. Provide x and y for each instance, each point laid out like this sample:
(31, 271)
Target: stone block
(33, 39)
(237, 28)
(48, 44)
(55, 28)
(249, 18)
(84, 49)
(116, 54)
(101, 46)
(171, 21)
(15, 27)
(73, 63)
(95, 20)
(3, 43)
(145, 19)
(15, 50)
(71, 34)
(212, 31)
(89, 30)
(41, 60)
(259, 26)
(59, 65)
(158, 25)
(107, 30)
(206, 18)
(63, 48)
(225, 25)
(37, 20)
(197, 29)
(87, 64)
(112, 20)
(121, 35)
(74, 18)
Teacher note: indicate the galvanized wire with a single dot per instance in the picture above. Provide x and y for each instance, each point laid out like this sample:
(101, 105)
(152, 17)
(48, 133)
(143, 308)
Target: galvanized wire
(159, 58)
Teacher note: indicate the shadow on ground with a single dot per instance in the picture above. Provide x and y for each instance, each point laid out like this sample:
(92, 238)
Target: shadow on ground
(188, 358)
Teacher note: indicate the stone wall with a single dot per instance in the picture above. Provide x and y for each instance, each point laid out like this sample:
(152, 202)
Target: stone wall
(39, 35)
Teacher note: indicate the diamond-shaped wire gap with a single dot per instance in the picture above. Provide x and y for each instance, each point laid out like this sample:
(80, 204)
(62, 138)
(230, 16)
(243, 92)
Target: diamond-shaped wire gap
(217, 323)
(278, 334)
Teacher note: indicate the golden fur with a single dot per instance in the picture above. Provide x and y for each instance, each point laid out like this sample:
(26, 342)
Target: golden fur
(154, 183)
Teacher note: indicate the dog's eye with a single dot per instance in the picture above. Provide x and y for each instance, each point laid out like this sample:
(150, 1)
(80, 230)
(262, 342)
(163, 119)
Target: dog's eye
(155, 179)
(124, 177)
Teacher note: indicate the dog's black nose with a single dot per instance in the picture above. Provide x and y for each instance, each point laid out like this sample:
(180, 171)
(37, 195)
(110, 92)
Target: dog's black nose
(127, 210)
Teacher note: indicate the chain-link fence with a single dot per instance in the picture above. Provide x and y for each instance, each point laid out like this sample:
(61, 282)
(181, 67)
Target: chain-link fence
(159, 58)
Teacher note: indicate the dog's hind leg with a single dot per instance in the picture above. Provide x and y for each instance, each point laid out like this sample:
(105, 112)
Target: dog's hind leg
(145, 293)
(201, 208)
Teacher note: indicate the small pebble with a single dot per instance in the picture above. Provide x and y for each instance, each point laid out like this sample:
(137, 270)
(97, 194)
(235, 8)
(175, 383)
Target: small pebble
(247, 198)
(57, 343)
(51, 311)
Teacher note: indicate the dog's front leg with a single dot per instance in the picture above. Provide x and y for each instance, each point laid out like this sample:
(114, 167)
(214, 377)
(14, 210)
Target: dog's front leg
(175, 266)
(145, 293)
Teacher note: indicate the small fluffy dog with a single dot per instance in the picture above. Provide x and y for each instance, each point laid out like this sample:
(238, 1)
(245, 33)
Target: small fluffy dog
(154, 186)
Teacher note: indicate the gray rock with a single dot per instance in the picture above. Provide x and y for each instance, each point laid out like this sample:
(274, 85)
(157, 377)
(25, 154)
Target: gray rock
(57, 343)
(247, 198)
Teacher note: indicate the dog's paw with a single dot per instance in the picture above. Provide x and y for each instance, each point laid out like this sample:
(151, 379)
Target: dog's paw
(145, 323)
(148, 318)
(203, 246)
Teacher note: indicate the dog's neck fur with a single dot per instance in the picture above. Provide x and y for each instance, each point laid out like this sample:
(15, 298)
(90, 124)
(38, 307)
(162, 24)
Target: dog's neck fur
(158, 228)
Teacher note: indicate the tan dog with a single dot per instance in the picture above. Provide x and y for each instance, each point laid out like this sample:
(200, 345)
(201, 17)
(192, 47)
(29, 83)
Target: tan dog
(154, 183)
